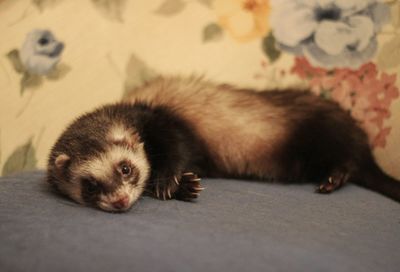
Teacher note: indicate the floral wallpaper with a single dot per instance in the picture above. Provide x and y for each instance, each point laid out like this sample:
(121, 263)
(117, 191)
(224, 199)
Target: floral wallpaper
(60, 58)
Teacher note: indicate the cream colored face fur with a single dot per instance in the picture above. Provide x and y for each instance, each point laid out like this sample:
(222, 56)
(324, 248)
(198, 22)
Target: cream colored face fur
(103, 169)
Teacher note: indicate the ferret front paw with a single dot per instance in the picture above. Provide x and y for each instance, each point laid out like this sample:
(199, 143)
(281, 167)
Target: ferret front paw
(189, 187)
(165, 191)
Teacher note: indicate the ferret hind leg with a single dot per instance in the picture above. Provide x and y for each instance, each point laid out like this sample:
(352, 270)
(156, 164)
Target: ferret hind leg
(337, 178)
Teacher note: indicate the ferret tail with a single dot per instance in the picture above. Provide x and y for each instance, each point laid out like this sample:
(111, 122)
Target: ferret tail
(375, 179)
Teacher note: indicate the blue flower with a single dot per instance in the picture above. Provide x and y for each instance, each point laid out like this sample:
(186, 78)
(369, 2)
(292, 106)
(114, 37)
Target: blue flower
(40, 52)
(330, 33)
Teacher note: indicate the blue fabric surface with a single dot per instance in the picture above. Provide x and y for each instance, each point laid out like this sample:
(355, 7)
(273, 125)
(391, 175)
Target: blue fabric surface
(234, 226)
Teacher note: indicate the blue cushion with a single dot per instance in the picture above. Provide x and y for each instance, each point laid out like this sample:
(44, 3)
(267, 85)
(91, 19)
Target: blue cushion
(235, 225)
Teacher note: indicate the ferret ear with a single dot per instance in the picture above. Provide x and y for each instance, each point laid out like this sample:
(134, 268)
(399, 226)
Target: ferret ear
(127, 139)
(61, 161)
(140, 145)
(131, 139)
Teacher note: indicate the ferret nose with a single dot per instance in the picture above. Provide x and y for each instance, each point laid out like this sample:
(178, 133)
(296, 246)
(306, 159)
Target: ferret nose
(121, 203)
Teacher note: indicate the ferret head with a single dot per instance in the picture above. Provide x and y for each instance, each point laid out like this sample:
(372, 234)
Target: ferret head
(111, 179)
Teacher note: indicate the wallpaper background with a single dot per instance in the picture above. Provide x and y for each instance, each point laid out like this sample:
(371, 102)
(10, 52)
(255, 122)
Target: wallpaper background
(95, 51)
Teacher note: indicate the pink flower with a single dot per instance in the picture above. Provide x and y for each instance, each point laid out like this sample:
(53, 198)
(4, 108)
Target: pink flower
(304, 69)
(343, 93)
(365, 92)
(380, 138)
(386, 93)
(360, 108)
(367, 70)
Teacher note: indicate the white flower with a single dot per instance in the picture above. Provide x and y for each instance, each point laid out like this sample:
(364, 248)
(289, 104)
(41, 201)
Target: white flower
(330, 33)
(40, 52)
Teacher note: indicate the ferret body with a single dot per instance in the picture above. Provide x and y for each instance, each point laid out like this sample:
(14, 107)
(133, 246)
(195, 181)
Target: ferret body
(172, 130)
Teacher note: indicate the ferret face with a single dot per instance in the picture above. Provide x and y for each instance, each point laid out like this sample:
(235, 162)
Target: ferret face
(112, 180)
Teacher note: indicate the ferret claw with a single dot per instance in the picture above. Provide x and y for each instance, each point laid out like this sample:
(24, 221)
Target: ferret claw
(196, 179)
(169, 193)
(157, 191)
(334, 182)
(189, 187)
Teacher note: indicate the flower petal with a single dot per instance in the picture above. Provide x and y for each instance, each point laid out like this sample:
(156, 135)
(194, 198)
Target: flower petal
(41, 65)
(335, 37)
(380, 14)
(332, 37)
(348, 58)
(350, 7)
(363, 30)
(240, 23)
(298, 24)
(243, 19)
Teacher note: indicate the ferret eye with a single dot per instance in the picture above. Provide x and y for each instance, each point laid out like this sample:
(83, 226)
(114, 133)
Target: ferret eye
(126, 170)
(91, 186)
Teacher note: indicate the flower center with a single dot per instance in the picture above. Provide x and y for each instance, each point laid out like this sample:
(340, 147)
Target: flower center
(250, 5)
(353, 46)
(43, 41)
(332, 14)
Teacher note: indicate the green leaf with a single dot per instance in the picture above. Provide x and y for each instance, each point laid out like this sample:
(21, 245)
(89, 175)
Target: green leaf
(111, 9)
(389, 54)
(29, 81)
(16, 62)
(171, 7)
(42, 4)
(137, 74)
(59, 72)
(212, 32)
(22, 159)
(270, 49)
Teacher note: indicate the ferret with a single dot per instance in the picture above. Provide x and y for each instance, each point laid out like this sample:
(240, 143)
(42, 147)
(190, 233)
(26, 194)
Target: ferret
(172, 131)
